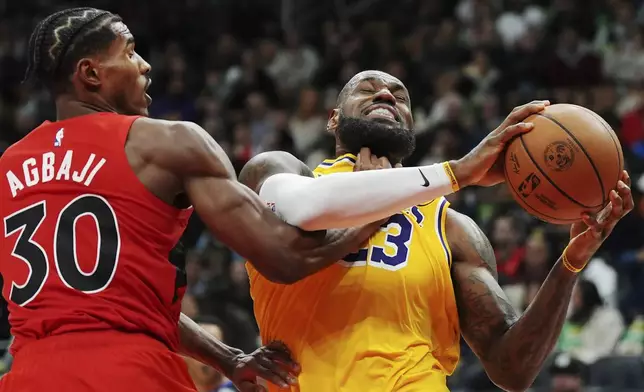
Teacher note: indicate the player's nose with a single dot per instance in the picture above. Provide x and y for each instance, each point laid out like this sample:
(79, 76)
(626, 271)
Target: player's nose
(384, 96)
(144, 66)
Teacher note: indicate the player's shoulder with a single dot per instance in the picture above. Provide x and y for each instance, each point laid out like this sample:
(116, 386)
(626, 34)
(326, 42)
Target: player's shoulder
(157, 138)
(269, 163)
(283, 161)
(156, 132)
(182, 145)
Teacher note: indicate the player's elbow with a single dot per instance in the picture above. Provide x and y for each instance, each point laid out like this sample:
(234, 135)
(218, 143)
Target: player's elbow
(282, 266)
(281, 277)
(511, 380)
(514, 386)
(287, 273)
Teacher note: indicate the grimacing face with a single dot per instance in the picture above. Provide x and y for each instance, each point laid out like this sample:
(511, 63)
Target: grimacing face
(377, 96)
(374, 111)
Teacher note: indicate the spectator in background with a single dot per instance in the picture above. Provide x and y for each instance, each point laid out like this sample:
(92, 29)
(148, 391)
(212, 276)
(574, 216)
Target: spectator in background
(625, 61)
(533, 270)
(242, 148)
(177, 104)
(632, 344)
(632, 130)
(573, 64)
(294, 65)
(593, 328)
(567, 374)
(247, 78)
(508, 248)
(308, 124)
(629, 255)
(260, 122)
(206, 378)
(482, 74)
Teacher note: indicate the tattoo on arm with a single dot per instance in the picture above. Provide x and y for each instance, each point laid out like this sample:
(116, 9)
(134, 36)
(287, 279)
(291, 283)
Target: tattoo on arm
(485, 312)
(512, 348)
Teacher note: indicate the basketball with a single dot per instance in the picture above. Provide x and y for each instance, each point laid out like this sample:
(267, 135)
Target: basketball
(566, 165)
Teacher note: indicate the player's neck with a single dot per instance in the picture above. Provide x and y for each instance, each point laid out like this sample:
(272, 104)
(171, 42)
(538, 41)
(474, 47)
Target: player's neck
(68, 107)
(339, 151)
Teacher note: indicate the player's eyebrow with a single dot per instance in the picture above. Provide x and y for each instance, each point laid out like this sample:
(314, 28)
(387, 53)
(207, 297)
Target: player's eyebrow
(392, 86)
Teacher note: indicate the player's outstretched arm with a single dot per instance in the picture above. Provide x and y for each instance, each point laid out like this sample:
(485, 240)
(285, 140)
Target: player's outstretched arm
(240, 219)
(343, 199)
(513, 348)
(352, 199)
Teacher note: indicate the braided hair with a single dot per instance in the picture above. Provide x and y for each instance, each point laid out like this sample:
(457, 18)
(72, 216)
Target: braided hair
(63, 38)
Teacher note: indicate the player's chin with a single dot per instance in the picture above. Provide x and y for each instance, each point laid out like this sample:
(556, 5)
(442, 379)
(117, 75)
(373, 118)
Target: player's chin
(143, 107)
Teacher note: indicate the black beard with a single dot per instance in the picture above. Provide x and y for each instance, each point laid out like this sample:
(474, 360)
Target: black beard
(384, 140)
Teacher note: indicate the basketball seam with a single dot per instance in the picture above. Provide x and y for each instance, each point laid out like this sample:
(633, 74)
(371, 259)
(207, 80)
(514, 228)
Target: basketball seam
(564, 194)
(592, 164)
(528, 206)
(612, 135)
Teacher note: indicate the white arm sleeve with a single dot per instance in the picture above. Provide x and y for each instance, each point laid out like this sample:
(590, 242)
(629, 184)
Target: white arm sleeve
(342, 200)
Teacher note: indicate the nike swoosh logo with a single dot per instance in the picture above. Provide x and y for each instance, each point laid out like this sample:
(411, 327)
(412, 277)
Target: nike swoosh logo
(426, 184)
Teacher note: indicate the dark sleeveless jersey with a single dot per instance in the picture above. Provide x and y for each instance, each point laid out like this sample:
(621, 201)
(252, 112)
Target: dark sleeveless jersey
(84, 245)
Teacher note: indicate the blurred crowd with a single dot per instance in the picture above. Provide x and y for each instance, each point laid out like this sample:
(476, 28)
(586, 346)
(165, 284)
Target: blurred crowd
(262, 75)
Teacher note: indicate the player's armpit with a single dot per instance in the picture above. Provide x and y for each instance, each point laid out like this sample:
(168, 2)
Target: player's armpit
(512, 348)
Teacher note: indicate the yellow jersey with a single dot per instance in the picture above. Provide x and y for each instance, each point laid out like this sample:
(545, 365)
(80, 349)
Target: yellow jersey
(382, 319)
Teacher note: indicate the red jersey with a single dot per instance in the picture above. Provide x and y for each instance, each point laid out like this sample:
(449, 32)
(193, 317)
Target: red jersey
(84, 245)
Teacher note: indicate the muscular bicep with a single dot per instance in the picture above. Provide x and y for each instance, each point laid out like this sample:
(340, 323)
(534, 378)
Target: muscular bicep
(230, 210)
(485, 313)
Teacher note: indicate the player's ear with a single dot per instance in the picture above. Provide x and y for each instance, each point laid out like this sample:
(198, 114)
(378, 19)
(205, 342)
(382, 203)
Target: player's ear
(88, 73)
(334, 119)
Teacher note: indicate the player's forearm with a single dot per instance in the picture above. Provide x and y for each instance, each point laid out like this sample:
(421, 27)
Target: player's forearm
(353, 199)
(337, 244)
(204, 347)
(519, 354)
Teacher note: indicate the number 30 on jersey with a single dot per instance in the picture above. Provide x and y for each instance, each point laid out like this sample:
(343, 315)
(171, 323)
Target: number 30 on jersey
(26, 223)
(389, 249)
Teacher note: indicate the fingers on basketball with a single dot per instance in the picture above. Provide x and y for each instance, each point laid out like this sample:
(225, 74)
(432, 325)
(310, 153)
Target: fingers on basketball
(514, 130)
(624, 190)
(520, 113)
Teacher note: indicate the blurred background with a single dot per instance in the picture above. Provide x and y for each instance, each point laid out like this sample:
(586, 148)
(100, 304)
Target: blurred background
(262, 75)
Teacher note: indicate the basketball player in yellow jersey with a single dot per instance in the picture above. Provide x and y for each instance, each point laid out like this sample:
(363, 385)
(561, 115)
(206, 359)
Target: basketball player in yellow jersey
(389, 316)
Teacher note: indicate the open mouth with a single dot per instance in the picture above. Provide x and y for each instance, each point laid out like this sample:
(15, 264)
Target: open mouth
(148, 98)
(384, 112)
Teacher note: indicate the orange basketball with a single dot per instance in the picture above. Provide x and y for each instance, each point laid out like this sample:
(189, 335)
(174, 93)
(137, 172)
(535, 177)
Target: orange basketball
(566, 165)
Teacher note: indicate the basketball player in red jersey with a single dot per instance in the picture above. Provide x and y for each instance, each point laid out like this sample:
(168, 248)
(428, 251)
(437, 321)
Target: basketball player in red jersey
(91, 206)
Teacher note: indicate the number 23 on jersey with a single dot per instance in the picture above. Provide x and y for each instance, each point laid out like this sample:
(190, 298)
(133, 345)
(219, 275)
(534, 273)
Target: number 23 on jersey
(389, 248)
